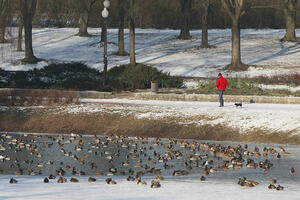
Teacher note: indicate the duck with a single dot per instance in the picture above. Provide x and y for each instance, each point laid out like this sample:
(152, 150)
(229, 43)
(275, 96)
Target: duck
(74, 180)
(91, 179)
(272, 181)
(51, 176)
(46, 180)
(159, 178)
(155, 184)
(248, 183)
(13, 181)
(279, 187)
(140, 182)
(206, 172)
(110, 181)
(292, 171)
(130, 178)
(271, 186)
(278, 156)
(61, 180)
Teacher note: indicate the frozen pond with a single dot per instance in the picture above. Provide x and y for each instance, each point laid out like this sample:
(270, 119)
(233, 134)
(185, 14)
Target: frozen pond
(118, 157)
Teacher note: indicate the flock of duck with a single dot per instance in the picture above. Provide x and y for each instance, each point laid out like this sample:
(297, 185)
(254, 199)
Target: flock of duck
(59, 156)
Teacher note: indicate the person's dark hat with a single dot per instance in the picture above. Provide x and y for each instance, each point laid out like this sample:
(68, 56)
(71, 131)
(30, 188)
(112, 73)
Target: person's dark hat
(219, 74)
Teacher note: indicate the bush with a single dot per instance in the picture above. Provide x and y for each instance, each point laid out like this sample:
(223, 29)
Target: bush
(240, 87)
(126, 77)
(78, 76)
(60, 76)
(289, 79)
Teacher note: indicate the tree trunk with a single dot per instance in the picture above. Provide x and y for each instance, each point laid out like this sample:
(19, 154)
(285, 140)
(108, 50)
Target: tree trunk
(83, 24)
(204, 41)
(86, 6)
(235, 9)
(132, 34)
(185, 24)
(3, 16)
(289, 9)
(121, 51)
(29, 56)
(20, 34)
(236, 63)
(2, 34)
(28, 9)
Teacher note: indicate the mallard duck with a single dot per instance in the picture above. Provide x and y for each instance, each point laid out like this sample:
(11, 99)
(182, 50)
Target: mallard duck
(278, 156)
(248, 183)
(292, 171)
(51, 176)
(61, 180)
(205, 173)
(140, 182)
(271, 186)
(91, 179)
(74, 180)
(12, 181)
(272, 181)
(46, 180)
(279, 187)
(155, 184)
(159, 178)
(130, 178)
(110, 181)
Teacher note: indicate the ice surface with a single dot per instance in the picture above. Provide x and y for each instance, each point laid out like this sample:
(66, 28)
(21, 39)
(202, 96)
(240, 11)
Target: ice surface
(220, 185)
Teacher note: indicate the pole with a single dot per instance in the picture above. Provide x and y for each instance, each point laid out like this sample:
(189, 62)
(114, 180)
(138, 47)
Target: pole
(105, 53)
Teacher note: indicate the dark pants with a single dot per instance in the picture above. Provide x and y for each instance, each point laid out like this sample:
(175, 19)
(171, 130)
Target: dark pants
(221, 98)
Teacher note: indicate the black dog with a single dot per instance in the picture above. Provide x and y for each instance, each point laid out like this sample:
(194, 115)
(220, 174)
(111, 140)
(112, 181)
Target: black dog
(238, 105)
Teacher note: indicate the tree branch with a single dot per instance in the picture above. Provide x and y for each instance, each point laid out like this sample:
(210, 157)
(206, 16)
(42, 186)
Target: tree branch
(225, 5)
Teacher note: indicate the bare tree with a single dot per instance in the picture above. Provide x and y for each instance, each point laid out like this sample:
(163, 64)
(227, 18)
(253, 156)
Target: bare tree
(28, 8)
(289, 9)
(132, 33)
(3, 17)
(235, 9)
(85, 7)
(185, 23)
(121, 8)
(20, 33)
(205, 4)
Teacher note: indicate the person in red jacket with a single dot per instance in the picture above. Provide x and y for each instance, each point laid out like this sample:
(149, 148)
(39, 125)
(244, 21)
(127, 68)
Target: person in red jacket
(221, 84)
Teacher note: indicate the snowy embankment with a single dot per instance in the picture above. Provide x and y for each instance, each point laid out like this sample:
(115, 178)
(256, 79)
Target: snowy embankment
(270, 117)
(163, 50)
(190, 187)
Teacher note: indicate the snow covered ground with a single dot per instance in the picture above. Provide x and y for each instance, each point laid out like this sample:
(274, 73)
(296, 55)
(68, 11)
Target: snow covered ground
(272, 117)
(163, 50)
(190, 187)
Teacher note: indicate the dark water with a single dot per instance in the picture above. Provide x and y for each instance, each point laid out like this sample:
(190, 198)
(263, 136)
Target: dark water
(103, 155)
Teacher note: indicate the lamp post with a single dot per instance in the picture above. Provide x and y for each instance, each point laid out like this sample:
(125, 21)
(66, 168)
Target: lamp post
(105, 13)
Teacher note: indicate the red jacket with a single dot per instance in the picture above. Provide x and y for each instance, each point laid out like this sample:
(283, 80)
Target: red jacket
(222, 83)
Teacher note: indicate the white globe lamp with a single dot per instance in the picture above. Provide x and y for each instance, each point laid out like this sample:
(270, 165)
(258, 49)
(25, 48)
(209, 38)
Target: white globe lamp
(106, 3)
(105, 13)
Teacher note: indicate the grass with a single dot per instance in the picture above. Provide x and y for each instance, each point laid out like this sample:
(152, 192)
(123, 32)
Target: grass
(37, 97)
(286, 79)
(105, 124)
(239, 86)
